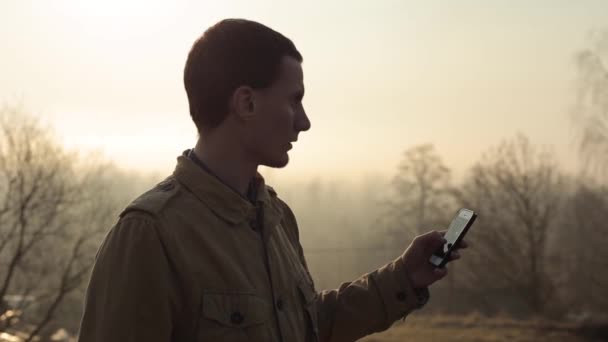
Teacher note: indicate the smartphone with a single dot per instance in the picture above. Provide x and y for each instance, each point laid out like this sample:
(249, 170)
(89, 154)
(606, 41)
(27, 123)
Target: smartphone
(456, 231)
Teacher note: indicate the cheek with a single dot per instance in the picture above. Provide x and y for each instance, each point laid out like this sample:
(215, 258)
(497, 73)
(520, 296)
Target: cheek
(275, 125)
(281, 118)
(289, 115)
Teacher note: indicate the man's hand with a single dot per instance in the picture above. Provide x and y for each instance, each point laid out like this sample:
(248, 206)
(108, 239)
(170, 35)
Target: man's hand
(416, 258)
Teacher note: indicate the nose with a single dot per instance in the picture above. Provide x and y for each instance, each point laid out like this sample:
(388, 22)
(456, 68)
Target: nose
(302, 122)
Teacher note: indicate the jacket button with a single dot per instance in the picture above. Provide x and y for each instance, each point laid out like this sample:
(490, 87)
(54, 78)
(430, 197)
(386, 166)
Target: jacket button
(280, 304)
(401, 296)
(237, 317)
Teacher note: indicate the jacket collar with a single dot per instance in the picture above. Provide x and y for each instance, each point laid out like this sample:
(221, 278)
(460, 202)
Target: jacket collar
(222, 199)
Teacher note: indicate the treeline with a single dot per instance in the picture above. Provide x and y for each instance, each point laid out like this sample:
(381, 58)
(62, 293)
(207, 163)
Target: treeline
(536, 247)
(55, 208)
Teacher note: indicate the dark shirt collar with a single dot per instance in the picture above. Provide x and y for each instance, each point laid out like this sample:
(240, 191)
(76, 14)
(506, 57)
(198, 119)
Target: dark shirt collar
(251, 188)
(223, 200)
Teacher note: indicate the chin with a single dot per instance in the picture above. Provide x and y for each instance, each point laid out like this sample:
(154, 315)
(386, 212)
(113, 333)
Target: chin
(277, 162)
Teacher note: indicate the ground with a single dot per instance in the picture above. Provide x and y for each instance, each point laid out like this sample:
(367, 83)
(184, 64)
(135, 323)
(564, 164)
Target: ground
(476, 328)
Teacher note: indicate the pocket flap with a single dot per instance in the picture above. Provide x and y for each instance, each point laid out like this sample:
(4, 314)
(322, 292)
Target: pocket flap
(236, 310)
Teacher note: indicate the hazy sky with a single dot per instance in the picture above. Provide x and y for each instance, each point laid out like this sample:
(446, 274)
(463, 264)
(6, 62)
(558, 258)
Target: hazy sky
(380, 76)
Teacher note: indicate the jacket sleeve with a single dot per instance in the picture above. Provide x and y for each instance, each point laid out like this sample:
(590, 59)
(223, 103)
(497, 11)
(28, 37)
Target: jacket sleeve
(369, 304)
(130, 296)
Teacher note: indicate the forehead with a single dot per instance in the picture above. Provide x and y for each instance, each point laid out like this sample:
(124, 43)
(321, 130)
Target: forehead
(291, 74)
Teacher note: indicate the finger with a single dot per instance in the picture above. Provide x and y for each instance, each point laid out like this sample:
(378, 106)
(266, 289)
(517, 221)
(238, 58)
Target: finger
(431, 240)
(454, 255)
(462, 244)
(440, 272)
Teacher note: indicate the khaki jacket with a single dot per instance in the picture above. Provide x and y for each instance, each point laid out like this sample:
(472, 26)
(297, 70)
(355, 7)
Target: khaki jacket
(191, 260)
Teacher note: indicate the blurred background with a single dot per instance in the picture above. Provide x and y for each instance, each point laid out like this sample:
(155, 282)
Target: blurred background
(418, 108)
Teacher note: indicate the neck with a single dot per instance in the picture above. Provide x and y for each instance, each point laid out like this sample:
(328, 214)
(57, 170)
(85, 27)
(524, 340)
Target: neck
(227, 162)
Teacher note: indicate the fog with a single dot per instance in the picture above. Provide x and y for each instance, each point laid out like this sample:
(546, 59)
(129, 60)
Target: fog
(417, 109)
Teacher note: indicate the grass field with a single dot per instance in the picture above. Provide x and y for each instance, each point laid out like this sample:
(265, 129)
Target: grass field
(476, 328)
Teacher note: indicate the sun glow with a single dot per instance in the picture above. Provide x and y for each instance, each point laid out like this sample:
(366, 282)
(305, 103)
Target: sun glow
(119, 17)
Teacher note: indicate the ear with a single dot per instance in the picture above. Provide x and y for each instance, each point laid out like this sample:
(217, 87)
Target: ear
(243, 103)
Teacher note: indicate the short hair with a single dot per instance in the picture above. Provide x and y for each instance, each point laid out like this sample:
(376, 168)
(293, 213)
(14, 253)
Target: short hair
(230, 54)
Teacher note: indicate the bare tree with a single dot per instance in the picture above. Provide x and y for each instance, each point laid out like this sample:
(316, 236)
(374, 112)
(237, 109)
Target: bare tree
(421, 193)
(582, 246)
(48, 231)
(591, 107)
(516, 190)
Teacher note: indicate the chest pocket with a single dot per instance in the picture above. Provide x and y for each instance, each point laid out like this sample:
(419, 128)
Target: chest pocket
(234, 318)
(307, 296)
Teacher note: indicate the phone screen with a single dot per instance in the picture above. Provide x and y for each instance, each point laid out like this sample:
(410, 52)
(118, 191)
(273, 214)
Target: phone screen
(458, 227)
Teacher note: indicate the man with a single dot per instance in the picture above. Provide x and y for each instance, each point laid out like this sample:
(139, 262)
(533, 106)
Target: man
(212, 253)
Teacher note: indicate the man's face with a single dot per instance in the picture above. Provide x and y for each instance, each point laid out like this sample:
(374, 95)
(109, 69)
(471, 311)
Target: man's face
(279, 117)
